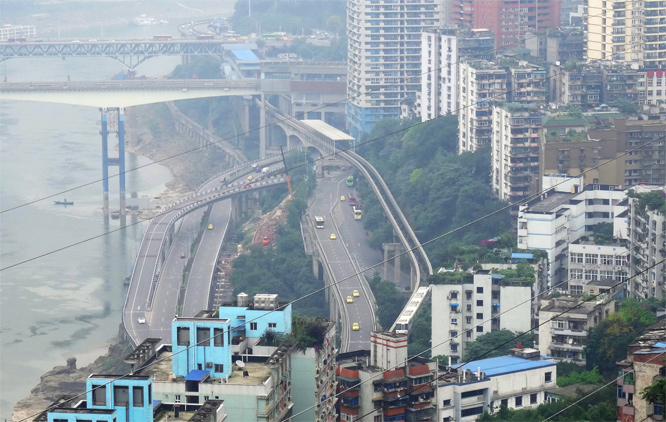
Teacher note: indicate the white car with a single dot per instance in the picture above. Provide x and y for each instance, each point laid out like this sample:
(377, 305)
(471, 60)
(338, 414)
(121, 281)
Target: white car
(141, 320)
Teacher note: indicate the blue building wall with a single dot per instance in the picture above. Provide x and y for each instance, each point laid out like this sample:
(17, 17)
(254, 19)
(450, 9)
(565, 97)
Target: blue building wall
(206, 356)
(131, 397)
(76, 417)
(278, 321)
(362, 119)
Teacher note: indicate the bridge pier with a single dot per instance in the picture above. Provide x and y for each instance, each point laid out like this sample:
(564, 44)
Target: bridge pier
(262, 127)
(392, 249)
(117, 126)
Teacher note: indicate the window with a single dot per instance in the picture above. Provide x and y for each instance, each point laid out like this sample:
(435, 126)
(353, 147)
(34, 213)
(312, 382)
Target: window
(479, 289)
(620, 392)
(219, 368)
(473, 393)
(479, 329)
(218, 334)
(576, 274)
(591, 258)
(479, 315)
(183, 335)
(468, 294)
(454, 334)
(468, 307)
(471, 411)
(658, 409)
(519, 401)
(120, 395)
(454, 321)
(177, 398)
(203, 336)
(454, 347)
(479, 303)
(468, 319)
(606, 259)
(272, 325)
(533, 398)
(99, 395)
(137, 397)
(549, 377)
(504, 402)
(576, 258)
(454, 295)
(253, 326)
(446, 403)
(468, 334)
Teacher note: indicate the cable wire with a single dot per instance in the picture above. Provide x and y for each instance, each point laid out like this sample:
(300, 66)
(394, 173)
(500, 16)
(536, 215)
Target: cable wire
(297, 116)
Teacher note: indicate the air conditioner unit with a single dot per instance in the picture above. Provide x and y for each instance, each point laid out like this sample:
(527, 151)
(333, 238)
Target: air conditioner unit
(209, 364)
(618, 268)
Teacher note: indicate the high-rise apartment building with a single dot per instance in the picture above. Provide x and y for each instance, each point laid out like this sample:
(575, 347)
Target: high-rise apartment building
(508, 19)
(515, 151)
(441, 50)
(384, 56)
(626, 31)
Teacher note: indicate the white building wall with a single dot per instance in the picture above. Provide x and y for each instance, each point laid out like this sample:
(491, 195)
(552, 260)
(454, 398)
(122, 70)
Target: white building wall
(516, 308)
(501, 152)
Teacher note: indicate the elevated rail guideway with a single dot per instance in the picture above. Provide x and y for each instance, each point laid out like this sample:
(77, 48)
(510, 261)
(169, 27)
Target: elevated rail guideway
(131, 53)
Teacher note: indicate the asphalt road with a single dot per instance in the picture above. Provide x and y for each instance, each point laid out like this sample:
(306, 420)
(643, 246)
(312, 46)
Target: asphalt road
(339, 219)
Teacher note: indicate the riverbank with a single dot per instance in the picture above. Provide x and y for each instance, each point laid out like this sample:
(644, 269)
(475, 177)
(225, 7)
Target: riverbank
(150, 133)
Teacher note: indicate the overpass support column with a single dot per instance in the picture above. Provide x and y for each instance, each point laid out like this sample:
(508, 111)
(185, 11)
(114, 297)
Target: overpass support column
(121, 159)
(105, 160)
(262, 127)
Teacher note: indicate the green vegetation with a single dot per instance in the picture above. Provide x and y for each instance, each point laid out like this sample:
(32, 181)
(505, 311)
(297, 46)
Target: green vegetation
(600, 406)
(655, 393)
(523, 272)
(496, 343)
(204, 67)
(284, 268)
(437, 189)
(390, 302)
(607, 342)
(603, 233)
(305, 332)
(337, 51)
(299, 18)
(651, 201)
(626, 107)
(584, 377)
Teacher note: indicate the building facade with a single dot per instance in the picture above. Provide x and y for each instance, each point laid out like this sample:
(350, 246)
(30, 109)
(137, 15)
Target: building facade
(463, 312)
(441, 50)
(569, 320)
(626, 31)
(643, 366)
(518, 381)
(515, 151)
(589, 262)
(509, 20)
(384, 57)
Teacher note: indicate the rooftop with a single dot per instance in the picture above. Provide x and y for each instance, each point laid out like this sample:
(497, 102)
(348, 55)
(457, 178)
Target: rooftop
(245, 55)
(504, 365)
(551, 202)
(327, 130)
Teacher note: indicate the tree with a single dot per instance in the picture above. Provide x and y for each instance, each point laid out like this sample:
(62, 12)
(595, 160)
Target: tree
(655, 393)
(496, 343)
(584, 377)
(607, 342)
(626, 107)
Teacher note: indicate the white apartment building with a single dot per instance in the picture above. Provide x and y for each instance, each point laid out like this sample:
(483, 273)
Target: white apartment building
(564, 338)
(519, 381)
(626, 31)
(463, 312)
(480, 85)
(441, 50)
(384, 56)
(515, 151)
(556, 219)
(646, 230)
(589, 262)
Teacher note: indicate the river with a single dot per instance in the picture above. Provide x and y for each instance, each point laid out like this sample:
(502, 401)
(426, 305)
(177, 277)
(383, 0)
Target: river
(66, 303)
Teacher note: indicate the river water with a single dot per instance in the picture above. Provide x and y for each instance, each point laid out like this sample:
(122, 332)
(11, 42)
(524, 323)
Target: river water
(68, 303)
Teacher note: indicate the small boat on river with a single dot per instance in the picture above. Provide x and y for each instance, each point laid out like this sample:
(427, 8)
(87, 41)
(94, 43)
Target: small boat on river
(64, 202)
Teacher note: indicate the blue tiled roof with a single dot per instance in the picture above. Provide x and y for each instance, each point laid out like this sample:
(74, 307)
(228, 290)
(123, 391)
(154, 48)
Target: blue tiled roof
(197, 375)
(504, 364)
(517, 255)
(247, 55)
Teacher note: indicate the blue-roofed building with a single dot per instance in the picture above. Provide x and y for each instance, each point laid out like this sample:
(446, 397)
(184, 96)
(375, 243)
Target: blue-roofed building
(81, 415)
(517, 381)
(244, 62)
(130, 395)
(201, 343)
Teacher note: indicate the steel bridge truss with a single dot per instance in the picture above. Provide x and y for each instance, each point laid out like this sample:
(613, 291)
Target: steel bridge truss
(129, 53)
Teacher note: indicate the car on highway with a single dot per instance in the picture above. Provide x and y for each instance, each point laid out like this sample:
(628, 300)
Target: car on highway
(265, 241)
(250, 177)
(350, 299)
(210, 227)
(141, 320)
(355, 326)
(182, 255)
(342, 198)
(333, 236)
(355, 293)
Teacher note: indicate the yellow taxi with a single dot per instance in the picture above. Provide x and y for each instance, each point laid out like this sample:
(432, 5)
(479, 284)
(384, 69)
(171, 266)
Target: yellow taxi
(350, 299)
(250, 177)
(342, 198)
(210, 227)
(355, 326)
(333, 236)
(355, 293)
